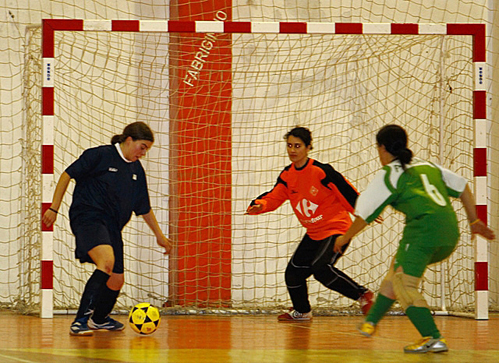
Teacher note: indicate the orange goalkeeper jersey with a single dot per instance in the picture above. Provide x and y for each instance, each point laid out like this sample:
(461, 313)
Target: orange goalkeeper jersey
(320, 196)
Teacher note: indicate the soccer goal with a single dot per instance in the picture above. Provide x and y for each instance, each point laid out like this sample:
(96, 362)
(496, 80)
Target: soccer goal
(220, 96)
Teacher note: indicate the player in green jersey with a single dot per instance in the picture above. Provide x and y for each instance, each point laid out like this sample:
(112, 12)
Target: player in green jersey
(421, 190)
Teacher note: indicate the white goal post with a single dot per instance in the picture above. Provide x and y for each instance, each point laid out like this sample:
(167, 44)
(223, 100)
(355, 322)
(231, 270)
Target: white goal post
(220, 95)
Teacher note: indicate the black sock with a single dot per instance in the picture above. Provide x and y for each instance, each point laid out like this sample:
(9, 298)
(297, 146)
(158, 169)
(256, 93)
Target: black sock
(92, 290)
(104, 304)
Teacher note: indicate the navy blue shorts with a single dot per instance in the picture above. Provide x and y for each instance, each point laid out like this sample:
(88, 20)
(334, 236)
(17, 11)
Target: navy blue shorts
(95, 233)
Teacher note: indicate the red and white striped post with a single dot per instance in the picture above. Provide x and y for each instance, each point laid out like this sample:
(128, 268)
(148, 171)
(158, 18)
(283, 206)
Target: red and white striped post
(480, 167)
(46, 253)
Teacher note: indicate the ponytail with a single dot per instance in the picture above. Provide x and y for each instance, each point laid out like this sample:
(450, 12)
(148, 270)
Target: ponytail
(118, 139)
(394, 138)
(137, 131)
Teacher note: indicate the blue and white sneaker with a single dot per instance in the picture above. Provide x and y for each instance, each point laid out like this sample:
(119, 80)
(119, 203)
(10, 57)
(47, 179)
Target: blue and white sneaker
(79, 327)
(108, 324)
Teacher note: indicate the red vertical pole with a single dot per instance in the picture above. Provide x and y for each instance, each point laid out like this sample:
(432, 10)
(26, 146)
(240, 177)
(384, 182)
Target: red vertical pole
(200, 132)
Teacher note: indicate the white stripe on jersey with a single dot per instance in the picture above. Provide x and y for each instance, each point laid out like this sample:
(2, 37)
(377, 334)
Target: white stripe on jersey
(375, 195)
(377, 191)
(452, 180)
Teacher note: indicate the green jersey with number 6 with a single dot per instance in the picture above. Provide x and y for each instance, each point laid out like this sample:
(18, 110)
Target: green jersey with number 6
(421, 192)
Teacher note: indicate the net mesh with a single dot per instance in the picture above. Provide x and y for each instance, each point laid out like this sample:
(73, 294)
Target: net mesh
(342, 87)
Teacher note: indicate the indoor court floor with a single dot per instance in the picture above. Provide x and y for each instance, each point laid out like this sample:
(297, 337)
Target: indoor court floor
(240, 338)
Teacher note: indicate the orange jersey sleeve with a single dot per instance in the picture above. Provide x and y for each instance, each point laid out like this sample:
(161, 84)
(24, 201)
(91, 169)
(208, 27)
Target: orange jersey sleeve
(273, 199)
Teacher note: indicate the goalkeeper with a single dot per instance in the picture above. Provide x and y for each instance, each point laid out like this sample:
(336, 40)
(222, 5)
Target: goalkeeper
(421, 191)
(322, 200)
(110, 185)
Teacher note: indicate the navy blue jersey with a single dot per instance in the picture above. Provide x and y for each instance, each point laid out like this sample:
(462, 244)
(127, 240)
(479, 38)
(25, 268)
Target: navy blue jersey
(107, 187)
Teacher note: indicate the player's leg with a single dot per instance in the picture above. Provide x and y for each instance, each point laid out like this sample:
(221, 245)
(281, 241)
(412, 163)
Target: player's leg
(104, 260)
(324, 271)
(418, 311)
(108, 295)
(92, 242)
(385, 299)
(104, 305)
(297, 272)
(382, 304)
(409, 269)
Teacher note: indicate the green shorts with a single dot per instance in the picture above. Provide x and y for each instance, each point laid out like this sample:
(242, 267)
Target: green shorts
(424, 242)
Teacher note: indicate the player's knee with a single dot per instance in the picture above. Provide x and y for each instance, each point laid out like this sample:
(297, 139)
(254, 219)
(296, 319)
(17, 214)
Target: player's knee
(406, 291)
(107, 266)
(116, 281)
(386, 289)
(103, 257)
(322, 273)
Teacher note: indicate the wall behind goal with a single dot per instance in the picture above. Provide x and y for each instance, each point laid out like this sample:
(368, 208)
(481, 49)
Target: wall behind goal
(15, 143)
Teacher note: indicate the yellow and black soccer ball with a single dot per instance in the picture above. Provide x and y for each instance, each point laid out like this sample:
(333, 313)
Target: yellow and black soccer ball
(144, 318)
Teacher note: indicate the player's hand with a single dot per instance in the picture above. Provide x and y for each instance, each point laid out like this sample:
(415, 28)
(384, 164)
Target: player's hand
(254, 209)
(165, 243)
(379, 219)
(49, 217)
(339, 243)
(482, 229)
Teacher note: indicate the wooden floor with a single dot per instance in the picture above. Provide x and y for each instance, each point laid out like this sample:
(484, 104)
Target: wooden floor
(243, 339)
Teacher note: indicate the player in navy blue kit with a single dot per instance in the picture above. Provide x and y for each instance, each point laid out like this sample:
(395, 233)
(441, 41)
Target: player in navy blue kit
(110, 186)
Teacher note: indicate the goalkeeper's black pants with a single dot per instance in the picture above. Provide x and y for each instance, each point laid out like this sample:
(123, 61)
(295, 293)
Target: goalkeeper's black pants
(318, 258)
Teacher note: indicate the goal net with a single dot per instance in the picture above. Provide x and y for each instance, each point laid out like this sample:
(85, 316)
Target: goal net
(220, 105)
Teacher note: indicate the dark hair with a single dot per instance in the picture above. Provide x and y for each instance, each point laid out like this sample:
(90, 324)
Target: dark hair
(137, 131)
(302, 133)
(394, 138)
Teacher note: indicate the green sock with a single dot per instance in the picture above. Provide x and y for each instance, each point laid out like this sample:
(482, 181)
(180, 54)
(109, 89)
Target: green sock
(423, 321)
(379, 309)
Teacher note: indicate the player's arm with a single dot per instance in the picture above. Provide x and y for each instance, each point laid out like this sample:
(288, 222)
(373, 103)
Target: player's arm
(81, 167)
(370, 204)
(269, 201)
(255, 208)
(476, 225)
(347, 193)
(457, 186)
(50, 214)
(357, 226)
(150, 219)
